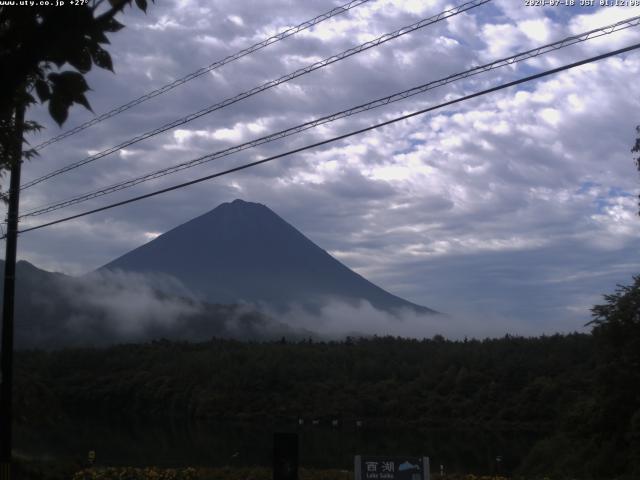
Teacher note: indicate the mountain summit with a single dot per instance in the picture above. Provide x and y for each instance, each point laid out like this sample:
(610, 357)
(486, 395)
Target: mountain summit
(244, 252)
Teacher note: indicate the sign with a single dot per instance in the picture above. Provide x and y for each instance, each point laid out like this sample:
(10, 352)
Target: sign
(391, 468)
(91, 457)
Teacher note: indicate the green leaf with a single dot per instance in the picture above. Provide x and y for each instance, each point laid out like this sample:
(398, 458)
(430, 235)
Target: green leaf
(113, 25)
(101, 57)
(28, 98)
(58, 110)
(99, 36)
(82, 100)
(80, 59)
(142, 5)
(43, 91)
(32, 126)
(68, 83)
(30, 153)
(118, 4)
(68, 88)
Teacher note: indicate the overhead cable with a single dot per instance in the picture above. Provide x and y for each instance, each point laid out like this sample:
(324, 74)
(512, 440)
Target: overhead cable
(519, 57)
(198, 73)
(335, 139)
(265, 86)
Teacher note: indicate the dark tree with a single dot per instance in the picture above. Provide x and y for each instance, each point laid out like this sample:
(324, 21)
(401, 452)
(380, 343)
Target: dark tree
(45, 51)
(617, 335)
(636, 149)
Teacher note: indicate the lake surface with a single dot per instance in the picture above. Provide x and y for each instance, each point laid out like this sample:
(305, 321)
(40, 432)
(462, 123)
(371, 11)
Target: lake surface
(180, 443)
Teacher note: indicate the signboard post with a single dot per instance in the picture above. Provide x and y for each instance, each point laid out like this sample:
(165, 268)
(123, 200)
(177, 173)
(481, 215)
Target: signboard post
(285, 456)
(391, 468)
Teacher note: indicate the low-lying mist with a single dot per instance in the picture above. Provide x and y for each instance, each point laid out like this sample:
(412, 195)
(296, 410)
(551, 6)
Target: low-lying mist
(336, 319)
(105, 308)
(109, 307)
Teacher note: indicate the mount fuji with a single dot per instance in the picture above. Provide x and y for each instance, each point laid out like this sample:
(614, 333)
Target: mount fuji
(243, 252)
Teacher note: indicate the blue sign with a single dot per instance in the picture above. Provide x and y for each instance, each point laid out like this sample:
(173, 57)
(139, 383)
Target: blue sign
(391, 468)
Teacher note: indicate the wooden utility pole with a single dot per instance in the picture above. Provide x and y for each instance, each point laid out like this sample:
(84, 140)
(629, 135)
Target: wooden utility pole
(6, 367)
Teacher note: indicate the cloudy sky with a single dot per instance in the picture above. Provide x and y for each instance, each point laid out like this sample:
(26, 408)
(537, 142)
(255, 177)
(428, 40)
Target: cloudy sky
(515, 209)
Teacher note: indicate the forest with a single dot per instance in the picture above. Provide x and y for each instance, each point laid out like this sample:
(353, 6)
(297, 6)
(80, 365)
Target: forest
(578, 391)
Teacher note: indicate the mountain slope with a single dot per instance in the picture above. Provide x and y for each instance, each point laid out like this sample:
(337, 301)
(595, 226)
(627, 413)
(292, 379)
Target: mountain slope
(244, 252)
(104, 308)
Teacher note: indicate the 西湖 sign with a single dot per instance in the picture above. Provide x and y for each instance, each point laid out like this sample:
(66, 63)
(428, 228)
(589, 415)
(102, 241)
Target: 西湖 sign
(391, 468)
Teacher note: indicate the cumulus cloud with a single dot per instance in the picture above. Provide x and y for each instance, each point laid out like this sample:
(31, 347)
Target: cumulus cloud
(521, 179)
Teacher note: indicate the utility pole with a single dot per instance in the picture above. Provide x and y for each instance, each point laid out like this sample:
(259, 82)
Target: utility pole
(8, 300)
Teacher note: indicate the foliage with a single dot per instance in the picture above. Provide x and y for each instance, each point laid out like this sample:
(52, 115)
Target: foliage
(616, 412)
(27, 468)
(46, 51)
(580, 390)
(131, 473)
(636, 149)
(599, 437)
(502, 383)
(229, 473)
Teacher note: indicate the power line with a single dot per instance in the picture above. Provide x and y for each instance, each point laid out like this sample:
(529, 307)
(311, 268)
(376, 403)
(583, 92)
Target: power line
(340, 137)
(265, 86)
(595, 33)
(170, 86)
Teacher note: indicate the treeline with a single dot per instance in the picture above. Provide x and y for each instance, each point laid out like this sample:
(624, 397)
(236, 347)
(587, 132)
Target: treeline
(581, 392)
(508, 382)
